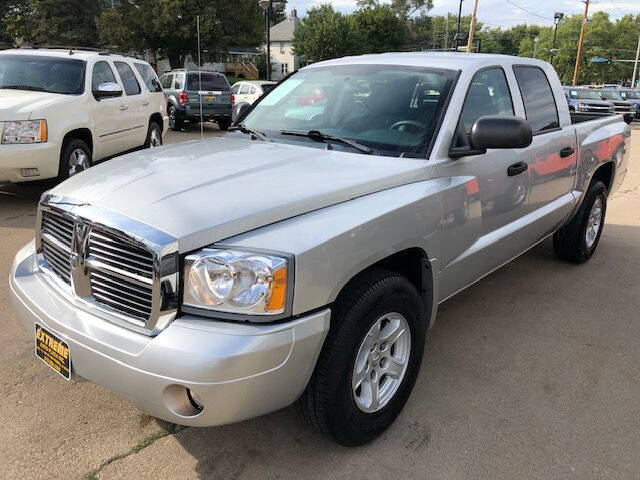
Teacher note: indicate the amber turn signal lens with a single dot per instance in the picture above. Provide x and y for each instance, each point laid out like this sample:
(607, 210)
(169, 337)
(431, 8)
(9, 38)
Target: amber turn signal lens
(278, 293)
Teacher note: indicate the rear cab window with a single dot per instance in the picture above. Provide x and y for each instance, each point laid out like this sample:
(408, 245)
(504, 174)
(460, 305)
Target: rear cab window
(149, 77)
(129, 81)
(210, 82)
(539, 103)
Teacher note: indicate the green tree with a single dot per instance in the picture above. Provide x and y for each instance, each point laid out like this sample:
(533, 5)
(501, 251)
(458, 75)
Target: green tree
(53, 22)
(324, 34)
(402, 8)
(378, 30)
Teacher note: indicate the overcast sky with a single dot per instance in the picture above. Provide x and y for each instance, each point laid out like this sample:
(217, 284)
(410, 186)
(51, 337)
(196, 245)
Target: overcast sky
(500, 12)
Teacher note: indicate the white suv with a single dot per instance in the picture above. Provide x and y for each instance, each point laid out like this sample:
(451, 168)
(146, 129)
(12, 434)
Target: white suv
(63, 110)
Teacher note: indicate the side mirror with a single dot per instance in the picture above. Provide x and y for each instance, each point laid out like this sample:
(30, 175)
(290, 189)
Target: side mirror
(107, 90)
(494, 131)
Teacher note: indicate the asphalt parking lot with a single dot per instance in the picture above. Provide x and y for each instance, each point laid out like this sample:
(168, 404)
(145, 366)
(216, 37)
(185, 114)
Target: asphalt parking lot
(531, 373)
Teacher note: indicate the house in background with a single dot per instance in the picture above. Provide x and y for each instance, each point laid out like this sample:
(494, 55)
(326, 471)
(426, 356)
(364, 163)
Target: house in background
(283, 59)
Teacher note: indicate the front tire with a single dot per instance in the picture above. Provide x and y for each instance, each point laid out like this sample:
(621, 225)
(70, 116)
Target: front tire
(224, 124)
(577, 241)
(154, 136)
(370, 360)
(75, 158)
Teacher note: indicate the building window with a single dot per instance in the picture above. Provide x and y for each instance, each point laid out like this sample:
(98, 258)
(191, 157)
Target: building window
(285, 68)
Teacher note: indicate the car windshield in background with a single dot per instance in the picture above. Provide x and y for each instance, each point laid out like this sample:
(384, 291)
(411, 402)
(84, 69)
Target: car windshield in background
(585, 94)
(393, 110)
(630, 95)
(609, 95)
(210, 81)
(42, 74)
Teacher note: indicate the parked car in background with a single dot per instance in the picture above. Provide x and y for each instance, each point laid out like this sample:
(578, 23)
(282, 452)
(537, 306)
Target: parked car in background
(62, 110)
(246, 92)
(582, 99)
(197, 96)
(303, 258)
(633, 96)
(621, 106)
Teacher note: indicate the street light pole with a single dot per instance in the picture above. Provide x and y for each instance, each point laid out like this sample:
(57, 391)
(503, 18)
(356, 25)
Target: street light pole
(457, 37)
(635, 65)
(267, 6)
(556, 20)
(535, 46)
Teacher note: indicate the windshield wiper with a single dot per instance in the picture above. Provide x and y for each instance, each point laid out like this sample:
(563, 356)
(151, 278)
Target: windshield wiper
(24, 87)
(249, 131)
(321, 137)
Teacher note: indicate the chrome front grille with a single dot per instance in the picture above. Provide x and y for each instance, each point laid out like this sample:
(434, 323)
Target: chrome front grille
(125, 270)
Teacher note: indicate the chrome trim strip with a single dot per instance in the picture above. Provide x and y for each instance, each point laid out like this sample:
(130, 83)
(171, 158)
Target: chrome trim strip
(121, 131)
(87, 219)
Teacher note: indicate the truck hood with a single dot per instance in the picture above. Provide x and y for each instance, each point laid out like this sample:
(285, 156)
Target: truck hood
(18, 104)
(203, 192)
(595, 103)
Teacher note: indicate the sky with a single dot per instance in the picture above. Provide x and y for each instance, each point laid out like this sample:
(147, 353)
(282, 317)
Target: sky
(500, 12)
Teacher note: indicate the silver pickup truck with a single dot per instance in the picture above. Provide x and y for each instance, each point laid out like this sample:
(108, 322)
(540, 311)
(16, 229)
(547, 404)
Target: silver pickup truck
(302, 257)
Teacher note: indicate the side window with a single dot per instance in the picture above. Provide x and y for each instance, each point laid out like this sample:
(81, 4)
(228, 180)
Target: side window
(488, 94)
(252, 90)
(166, 81)
(129, 82)
(539, 103)
(178, 82)
(244, 90)
(235, 89)
(102, 73)
(148, 76)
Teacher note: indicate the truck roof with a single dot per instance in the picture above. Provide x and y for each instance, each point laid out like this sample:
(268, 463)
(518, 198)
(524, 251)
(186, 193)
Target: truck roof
(445, 60)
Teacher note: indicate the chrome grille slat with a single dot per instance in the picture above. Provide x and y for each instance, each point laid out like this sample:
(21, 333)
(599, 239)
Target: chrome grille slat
(132, 290)
(115, 252)
(116, 305)
(96, 240)
(57, 262)
(97, 290)
(102, 251)
(58, 227)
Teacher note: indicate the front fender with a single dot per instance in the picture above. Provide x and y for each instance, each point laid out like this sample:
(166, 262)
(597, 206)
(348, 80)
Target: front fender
(332, 245)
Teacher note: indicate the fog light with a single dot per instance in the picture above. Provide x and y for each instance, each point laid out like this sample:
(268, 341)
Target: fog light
(195, 401)
(29, 172)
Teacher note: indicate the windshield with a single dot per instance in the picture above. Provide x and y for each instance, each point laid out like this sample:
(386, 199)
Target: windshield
(210, 81)
(585, 94)
(42, 74)
(629, 95)
(391, 109)
(610, 95)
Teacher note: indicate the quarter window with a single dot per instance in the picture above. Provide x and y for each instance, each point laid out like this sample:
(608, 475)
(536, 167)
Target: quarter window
(539, 103)
(149, 77)
(488, 95)
(129, 82)
(102, 73)
(235, 89)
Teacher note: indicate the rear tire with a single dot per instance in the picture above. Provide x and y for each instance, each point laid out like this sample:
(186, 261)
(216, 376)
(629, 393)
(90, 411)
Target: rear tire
(175, 123)
(74, 158)
(224, 124)
(339, 399)
(577, 241)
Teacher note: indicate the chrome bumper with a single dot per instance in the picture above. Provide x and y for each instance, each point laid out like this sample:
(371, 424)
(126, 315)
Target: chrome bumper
(237, 371)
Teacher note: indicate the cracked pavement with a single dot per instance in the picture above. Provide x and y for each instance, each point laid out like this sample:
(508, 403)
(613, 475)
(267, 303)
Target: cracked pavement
(530, 373)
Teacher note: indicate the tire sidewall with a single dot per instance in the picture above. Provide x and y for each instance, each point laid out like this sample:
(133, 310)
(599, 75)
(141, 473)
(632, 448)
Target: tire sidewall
(154, 126)
(68, 148)
(598, 190)
(352, 424)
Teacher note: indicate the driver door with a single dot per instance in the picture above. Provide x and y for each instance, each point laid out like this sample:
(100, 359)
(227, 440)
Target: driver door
(482, 212)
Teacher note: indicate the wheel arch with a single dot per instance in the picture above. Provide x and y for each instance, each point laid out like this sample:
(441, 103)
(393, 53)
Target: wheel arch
(605, 173)
(157, 117)
(83, 134)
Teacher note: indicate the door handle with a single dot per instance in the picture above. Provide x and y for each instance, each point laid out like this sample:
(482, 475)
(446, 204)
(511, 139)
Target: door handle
(567, 151)
(145, 103)
(517, 168)
(123, 108)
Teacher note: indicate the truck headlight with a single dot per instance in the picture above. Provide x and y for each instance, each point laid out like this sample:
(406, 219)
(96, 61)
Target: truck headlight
(28, 131)
(236, 281)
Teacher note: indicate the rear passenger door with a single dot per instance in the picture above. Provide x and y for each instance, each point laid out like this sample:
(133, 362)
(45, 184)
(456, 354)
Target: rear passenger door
(134, 111)
(553, 153)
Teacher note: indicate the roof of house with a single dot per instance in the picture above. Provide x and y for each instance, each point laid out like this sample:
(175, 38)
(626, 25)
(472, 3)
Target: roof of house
(283, 31)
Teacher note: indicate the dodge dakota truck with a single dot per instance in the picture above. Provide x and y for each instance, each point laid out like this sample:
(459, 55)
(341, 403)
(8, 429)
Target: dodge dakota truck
(302, 257)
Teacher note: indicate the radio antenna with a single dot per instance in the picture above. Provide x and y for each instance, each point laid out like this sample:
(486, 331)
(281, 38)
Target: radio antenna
(200, 78)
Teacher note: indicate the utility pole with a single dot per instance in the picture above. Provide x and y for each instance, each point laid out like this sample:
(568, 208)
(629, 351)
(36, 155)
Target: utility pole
(456, 42)
(472, 26)
(535, 46)
(635, 65)
(576, 70)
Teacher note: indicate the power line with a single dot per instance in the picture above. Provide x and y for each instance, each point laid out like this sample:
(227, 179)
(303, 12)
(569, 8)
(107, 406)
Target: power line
(529, 11)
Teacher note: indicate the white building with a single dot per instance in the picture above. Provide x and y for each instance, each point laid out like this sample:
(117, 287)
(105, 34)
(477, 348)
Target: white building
(282, 57)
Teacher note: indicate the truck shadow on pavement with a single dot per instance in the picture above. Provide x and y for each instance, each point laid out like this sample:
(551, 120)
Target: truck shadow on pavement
(18, 205)
(517, 381)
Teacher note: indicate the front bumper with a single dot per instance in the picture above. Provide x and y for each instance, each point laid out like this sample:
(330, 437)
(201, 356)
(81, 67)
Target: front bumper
(43, 156)
(237, 371)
